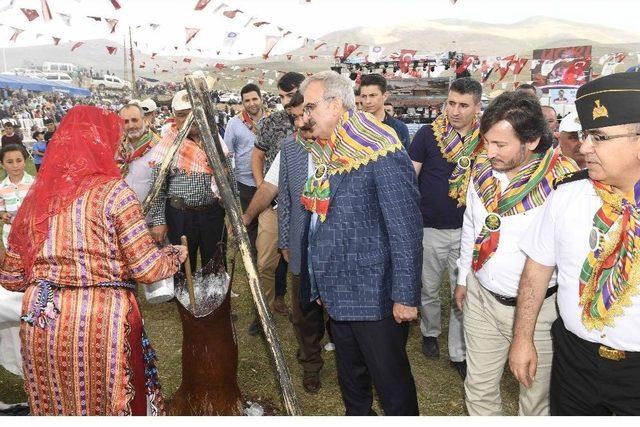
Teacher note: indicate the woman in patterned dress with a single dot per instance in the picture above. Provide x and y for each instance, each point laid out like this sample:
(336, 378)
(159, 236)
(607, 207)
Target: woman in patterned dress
(78, 245)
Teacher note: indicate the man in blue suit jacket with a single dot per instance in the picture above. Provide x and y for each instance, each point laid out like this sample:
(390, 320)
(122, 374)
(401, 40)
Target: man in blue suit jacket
(365, 244)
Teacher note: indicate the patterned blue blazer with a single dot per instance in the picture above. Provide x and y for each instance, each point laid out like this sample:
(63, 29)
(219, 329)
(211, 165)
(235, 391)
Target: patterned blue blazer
(368, 253)
(292, 216)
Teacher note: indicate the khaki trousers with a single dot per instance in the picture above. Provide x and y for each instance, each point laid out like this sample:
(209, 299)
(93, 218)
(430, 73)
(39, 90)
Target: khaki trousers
(488, 332)
(268, 256)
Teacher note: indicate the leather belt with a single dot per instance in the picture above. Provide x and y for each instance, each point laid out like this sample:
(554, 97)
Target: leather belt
(178, 203)
(512, 301)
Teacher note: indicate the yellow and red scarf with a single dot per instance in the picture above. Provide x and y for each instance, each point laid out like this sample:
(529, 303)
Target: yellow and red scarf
(249, 122)
(527, 190)
(190, 158)
(127, 153)
(611, 273)
(358, 139)
(458, 150)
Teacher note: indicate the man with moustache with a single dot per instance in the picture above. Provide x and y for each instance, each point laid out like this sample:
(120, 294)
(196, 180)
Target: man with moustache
(568, 139)
(285, 179)
(374, 94)
(589, 232)
(272, 130)
(442, 154)
(136, 150)
(188, 202)
(509, 185)
(364, 247)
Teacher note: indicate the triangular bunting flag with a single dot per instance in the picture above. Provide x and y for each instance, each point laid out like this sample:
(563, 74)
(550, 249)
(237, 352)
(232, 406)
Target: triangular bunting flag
(16, 33)
(56, 40)
(231, 13)
(260, 23)
(112, 24)
(112, 50)
(202, 4)
(95, 18)
(115, 4)
(349, 48)
(76, 45)
(31, 14)
(66, 18)
(46, 11)
(270, 43)
(191, 33)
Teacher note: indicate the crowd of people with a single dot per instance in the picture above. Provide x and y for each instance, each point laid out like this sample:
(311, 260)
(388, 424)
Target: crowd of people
(534, 223)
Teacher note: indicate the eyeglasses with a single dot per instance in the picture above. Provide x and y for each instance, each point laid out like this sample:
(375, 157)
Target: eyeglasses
(308, 109)
(598, 138)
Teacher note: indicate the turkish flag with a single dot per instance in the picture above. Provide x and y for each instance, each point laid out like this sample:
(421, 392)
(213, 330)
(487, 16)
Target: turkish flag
(406, 56)
(349, 48)
(467, 60)
(31, 14)
(202, 4)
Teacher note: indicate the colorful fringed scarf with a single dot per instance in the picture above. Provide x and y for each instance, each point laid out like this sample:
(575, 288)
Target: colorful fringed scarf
(127, 153)
(358, 139)
(458, 150)
(611, 273)
(249, 122)
(528, 189)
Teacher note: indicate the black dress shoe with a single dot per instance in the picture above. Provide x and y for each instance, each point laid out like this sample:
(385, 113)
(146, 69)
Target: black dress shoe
(311, 383)
(461, 367)
(430, 347)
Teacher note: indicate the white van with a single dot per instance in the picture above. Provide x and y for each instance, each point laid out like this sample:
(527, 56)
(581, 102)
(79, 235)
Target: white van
(63, 67)
(59, 77)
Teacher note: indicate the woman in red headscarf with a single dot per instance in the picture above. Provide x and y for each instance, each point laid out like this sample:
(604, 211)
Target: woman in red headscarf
(78, 245)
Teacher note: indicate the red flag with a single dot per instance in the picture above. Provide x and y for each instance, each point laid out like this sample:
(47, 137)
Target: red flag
(191, 33)
(31, 14)
(46, 12)
(76, 45)
(115, 4)
(202, 4)
(153, 55)
(56, 40)
(231, 13)
(142, 65)
(406, 56)
(313, 56)
(516, 84)
(286, 34)
(467, 60)
(519, 65)
(95, 18)
(289, 57)
(16, 33)
(112, 24)
(271, 41)
(164, 71)
(219, 66)
(187, 60)
(260, 23)
(319, 46)
(505, 69)
(112, 50)
(349, 48)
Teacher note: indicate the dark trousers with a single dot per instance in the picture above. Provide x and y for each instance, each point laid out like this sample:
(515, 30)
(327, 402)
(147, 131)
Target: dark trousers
(204, 230)
(281, 277)
(374, 352)
(584, 383)
(246, 194)
(308, 328)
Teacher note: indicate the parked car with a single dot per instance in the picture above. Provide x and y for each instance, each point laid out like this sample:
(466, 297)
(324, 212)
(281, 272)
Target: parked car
(59, 77)
(230, 98)
(110, 82)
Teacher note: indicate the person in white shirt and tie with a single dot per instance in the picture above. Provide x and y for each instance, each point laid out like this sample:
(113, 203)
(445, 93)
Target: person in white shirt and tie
(509, 185)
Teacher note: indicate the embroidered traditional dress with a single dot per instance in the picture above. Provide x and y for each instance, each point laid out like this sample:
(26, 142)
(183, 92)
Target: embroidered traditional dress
(527, 190)
(459, 150)
(78, 244)
(610, 275)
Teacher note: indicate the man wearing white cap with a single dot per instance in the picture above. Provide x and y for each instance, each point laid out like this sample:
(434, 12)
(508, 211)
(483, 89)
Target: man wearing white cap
(568, 137)
(188, 203)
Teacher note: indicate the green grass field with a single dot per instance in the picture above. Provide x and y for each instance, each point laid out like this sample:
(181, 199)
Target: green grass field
(440, 389)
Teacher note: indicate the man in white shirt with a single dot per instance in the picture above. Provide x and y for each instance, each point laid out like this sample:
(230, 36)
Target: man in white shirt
(589, 231)
(509, 185)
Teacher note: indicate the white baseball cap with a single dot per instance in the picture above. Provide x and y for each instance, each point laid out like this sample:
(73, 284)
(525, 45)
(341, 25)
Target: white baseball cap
(570, 123)
(148, 105)
(181, 101)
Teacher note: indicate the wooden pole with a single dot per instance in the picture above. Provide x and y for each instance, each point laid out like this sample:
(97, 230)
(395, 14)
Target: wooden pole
(203, 112)
(187, 274)
(134, 91)
(166, 163)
